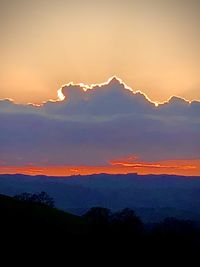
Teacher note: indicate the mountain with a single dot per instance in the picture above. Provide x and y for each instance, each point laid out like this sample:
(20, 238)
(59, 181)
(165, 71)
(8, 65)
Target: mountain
(153, 197)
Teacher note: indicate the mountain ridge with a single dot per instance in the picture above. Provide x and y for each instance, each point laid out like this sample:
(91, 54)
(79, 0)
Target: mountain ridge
(152, 196)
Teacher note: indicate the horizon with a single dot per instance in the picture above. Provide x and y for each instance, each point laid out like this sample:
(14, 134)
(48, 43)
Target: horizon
(100, 174)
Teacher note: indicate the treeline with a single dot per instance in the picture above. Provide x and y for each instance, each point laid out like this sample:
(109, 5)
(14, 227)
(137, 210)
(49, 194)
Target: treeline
(126, 227)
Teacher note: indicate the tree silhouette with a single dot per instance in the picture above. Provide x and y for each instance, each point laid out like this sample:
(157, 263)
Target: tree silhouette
(126, 222)
(98, 221)
(98, 215)
(40, 198)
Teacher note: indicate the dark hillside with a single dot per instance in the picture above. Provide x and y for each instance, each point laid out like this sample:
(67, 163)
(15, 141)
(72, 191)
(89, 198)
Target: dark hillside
(32, 220)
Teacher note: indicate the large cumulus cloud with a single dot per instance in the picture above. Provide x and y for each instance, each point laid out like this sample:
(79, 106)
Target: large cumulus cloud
(95, 126)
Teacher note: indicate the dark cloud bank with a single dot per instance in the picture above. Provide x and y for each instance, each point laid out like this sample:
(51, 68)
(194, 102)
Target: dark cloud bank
(94, 126)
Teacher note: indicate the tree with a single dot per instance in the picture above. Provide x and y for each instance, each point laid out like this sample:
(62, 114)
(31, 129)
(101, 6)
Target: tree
(98, 215)
(98, 221)
(40, 198)
(126, 222)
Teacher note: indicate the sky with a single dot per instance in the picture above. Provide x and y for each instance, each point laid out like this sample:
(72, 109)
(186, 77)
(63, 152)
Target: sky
(99, 86)
(152, 45)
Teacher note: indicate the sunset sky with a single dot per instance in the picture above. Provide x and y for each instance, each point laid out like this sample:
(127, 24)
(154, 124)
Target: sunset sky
(127, 73)
(153, 45)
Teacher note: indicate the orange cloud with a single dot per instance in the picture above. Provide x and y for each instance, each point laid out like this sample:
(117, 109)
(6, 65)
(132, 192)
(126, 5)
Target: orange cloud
(167, 164)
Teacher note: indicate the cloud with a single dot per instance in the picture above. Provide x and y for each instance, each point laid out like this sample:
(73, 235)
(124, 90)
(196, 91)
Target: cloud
(98, 123)
(170, 164)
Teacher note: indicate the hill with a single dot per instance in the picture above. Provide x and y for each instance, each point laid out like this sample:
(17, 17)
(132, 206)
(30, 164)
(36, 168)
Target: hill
(21, 219)
(26, 225)
(153, 197)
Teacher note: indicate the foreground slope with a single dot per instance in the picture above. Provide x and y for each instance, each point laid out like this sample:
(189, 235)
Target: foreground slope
(24, 219)
(32, 226)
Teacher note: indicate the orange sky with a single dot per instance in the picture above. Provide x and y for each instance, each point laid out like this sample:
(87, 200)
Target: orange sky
(152, 45)
(178, 167)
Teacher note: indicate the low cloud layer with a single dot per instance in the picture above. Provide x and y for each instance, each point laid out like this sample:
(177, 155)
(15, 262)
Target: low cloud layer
(96, 127)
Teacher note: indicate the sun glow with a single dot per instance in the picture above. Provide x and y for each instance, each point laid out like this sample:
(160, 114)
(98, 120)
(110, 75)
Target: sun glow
(61, 97)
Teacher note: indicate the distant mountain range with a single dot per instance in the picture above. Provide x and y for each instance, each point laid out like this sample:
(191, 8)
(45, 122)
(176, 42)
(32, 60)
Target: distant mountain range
(153, 197)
